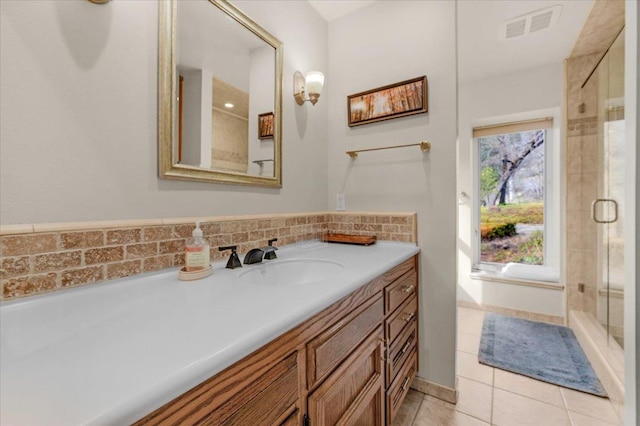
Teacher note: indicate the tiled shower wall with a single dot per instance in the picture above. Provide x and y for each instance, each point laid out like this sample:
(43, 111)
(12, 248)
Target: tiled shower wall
(581, 161)
(41, 258)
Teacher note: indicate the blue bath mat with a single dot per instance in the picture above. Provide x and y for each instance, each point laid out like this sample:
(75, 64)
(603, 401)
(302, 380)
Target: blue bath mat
(546, 352)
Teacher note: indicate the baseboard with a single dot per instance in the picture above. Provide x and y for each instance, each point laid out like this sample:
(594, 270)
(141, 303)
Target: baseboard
(532, 316)
(435, 390)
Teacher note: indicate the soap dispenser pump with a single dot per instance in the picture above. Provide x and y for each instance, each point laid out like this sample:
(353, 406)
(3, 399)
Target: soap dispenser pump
(196, 252)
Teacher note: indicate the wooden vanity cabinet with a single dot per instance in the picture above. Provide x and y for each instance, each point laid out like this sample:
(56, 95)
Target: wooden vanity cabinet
(351, 364)
(401, 336)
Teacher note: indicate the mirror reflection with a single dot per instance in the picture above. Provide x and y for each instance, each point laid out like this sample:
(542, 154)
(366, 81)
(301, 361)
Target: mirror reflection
(220, 119)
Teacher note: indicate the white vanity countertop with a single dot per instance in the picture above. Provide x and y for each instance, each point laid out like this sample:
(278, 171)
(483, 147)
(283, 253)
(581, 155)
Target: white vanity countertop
(111, 353)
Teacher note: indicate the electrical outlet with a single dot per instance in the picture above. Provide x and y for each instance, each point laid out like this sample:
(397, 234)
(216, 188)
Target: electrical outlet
(341, 203)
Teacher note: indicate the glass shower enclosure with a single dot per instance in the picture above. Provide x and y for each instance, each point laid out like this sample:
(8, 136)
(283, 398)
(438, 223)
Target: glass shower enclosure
(607, 210)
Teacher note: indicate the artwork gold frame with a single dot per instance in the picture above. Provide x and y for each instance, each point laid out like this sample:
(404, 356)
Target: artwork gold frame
(395, 100)
(265, 126)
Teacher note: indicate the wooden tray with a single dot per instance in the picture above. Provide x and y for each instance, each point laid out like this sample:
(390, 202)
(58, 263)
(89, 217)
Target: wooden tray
(363, 240)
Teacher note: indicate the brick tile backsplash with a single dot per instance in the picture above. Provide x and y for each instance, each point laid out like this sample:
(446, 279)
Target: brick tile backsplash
(29, 285)
(14, 266)
(28, 244)
(90, 274)
(157, 233)
(39, 262)
(73, 240)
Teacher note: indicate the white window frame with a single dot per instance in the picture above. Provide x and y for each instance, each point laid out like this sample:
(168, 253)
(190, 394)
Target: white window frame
(552, 191)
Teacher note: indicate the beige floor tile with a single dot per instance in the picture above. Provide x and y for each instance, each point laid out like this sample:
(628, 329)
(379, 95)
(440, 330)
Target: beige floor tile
(469, 343)
(409, 408)
(582, 420)
(470, 321)
(510, 409)
(474, 399)
(470, 368)
(590, 405)
(434, 412)
(528, 387)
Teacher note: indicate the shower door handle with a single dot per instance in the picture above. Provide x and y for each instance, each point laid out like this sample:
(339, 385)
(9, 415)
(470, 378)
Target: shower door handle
(594, 208)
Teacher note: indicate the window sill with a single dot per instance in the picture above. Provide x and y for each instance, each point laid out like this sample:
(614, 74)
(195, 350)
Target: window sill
(483, 276)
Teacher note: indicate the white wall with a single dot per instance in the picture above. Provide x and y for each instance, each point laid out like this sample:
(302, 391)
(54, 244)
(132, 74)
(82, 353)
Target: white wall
(384, 43)
(538, 89)
(78, 138)
(197, 99)
(260, 101)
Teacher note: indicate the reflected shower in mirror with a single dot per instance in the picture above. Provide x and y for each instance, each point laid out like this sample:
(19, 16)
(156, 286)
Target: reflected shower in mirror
(225, 76)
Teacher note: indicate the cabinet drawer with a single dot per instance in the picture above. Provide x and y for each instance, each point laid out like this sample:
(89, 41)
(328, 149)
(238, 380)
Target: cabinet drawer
(400, 290)
(400, 387)
(332, 346)
(400, 351)
(404, 317)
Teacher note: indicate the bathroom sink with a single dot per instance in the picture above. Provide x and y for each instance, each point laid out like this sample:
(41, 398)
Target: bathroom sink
(291, 272)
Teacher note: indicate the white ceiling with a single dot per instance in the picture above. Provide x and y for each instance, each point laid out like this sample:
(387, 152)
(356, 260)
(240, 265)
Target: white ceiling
(333, 9)
(482, 53)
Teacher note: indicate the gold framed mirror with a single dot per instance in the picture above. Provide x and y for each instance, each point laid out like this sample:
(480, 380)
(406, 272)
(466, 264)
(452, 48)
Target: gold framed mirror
(219, 95)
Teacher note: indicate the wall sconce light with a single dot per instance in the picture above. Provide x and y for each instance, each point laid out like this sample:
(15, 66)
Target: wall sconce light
(309, 85)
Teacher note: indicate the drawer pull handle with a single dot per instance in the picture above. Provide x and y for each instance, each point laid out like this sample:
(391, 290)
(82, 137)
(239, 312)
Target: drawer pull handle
(405, 383)
(407, 289)
(406, 346)
(408, 317)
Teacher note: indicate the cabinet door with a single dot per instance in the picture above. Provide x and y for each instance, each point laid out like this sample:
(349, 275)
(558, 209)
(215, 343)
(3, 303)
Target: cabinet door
(292, 420)
(354, 393)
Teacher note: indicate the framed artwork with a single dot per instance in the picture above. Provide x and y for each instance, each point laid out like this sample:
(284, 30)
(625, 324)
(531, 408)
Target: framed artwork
(384, 103)
(265, 125)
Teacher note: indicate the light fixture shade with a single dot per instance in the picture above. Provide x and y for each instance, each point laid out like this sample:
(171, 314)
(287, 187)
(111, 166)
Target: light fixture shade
(315, 81)
(307, 87)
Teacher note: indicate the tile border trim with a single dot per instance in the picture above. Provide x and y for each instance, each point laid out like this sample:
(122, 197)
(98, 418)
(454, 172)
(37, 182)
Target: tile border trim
(17, 229)
(531, 316)
(436, 390)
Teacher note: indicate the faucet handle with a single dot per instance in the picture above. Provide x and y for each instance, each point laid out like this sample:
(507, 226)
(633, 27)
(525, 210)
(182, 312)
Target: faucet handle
(271, 241)
(234, 260)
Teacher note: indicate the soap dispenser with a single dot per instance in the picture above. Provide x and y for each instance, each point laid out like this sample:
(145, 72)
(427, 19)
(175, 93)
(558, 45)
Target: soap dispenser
(196, 252)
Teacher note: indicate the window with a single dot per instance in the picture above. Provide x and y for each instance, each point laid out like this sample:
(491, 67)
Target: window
(514, 192)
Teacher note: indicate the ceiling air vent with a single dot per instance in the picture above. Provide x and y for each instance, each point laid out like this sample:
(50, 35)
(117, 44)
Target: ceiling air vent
(540, 21)
(516, 28)
(530, 23)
